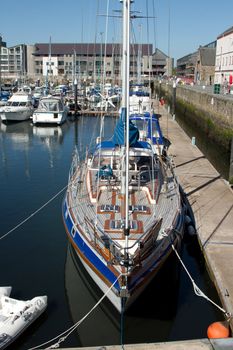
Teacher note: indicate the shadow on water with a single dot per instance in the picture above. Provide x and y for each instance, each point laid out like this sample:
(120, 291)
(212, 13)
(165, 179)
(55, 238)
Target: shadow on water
(167, 310)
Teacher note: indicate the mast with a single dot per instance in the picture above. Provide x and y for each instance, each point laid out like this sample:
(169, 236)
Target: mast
(50, 63)
(139, 57)
(48, 66)
(125, 111)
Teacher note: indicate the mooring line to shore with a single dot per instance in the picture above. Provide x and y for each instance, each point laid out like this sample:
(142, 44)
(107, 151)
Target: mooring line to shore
(196, 289)
(62, 336)
(34, 213)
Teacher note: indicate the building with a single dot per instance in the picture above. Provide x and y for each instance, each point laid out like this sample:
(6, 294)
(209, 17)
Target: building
(13, 61)
(90, 61)
(224, 58)
(162, 65)
(186, 66)
(87, 62)
(205, 64)
(199, 66)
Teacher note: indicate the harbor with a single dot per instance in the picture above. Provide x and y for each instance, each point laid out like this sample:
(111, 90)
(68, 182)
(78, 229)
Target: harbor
(116, 177)
(42, 152)
(201, 183)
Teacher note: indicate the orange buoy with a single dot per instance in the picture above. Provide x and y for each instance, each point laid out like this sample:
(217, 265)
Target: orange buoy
(218, 330)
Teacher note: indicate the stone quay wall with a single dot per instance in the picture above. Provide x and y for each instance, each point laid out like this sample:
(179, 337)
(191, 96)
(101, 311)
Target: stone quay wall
(211, 112)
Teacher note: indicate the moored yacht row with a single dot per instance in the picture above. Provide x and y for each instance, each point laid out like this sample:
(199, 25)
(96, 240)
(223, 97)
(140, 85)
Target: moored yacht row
(52, 106)
(20, 106)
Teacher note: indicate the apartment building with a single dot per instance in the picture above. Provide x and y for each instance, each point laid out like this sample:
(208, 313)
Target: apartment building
(13, 61)
(88, 61)
(224, 58)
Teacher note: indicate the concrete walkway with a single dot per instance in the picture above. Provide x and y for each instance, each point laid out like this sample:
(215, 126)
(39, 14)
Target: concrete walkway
(211, 199)
(202, 344)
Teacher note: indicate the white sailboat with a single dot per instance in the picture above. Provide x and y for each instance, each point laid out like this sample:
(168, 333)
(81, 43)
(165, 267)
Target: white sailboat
(123, 210)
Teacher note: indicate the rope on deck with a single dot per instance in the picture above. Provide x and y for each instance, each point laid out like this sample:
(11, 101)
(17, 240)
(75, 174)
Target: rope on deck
(34, 213)
(62, 336)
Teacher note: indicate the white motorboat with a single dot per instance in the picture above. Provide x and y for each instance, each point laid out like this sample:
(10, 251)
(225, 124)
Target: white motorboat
(17, 315)
(139, 100)
(51, 110)
(19, 107)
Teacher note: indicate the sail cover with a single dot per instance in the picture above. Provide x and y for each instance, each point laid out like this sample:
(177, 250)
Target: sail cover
(119, 132)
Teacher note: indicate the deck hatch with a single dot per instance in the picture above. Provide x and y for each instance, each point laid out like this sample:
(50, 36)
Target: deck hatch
(138, 208)
(110, 208)
(119, 224)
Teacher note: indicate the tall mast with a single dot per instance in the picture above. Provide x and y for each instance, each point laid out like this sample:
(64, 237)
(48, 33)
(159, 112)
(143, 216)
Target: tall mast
(139, 57)
(125, 108)
(50, 63)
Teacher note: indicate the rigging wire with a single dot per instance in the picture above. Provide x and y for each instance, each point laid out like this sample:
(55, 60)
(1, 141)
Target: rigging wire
(122, 322)
(147, 34)
(168, 39)
(154, 25)
(94, 56)
(105, 44)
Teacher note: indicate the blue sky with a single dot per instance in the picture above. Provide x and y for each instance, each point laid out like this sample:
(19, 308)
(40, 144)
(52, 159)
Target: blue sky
(192, 23)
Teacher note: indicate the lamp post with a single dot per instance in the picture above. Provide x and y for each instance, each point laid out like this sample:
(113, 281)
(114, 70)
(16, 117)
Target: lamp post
(174, 99)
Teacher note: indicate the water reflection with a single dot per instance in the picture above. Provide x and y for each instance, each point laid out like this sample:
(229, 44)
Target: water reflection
(150, 319)
(168, 309)
(19, 133)
(25, 137)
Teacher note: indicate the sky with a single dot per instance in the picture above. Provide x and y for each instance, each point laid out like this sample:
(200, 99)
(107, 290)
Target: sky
(176, 27)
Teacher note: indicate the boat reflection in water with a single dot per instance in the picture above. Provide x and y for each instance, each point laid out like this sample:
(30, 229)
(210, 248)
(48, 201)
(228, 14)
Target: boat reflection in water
(148, 320)
(19, 133)
(49, 135)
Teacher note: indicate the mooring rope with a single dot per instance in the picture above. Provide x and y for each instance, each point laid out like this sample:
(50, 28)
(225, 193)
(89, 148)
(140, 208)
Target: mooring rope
(196, 289)
(63, 336)
(35, 212)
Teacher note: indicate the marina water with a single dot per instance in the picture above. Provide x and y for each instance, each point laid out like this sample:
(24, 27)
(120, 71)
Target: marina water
(36, 258)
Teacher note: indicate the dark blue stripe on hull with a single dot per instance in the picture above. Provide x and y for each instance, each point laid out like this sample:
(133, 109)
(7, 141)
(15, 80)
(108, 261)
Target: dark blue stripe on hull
(151, 270)
(86, 251)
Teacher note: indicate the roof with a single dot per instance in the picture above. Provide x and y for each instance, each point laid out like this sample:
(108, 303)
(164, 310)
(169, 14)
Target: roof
(159, 55)
(42, 49)
(207, 56)
(227, 32)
